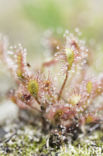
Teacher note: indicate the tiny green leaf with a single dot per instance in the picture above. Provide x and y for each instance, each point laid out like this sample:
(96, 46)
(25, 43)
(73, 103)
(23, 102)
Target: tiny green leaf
(70, 56)
(89, 87)
(33, 87)
(19, 73)
(75, 99)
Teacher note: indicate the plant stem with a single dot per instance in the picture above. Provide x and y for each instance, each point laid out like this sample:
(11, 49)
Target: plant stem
(63, 85)
(37, 101)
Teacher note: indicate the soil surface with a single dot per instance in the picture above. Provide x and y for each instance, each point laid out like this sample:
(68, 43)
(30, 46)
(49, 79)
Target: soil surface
(24, 136)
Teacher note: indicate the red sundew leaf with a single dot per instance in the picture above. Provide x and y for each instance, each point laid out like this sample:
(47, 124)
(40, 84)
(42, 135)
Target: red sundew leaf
(66, 103)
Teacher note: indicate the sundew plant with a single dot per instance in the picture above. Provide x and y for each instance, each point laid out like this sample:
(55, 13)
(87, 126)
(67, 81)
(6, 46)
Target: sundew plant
(64, 91)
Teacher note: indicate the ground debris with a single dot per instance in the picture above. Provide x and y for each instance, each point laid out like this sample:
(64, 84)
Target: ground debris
(25, 139)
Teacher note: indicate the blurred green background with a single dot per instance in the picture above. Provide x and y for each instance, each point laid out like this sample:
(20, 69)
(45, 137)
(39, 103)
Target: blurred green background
(25, 21)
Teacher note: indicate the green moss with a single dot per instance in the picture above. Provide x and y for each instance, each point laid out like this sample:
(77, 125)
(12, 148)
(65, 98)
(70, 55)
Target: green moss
(88, 145)
(29, 141)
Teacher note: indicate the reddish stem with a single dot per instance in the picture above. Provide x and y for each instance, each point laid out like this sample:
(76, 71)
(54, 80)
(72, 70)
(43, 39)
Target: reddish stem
(63, 85)
(37, 101)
